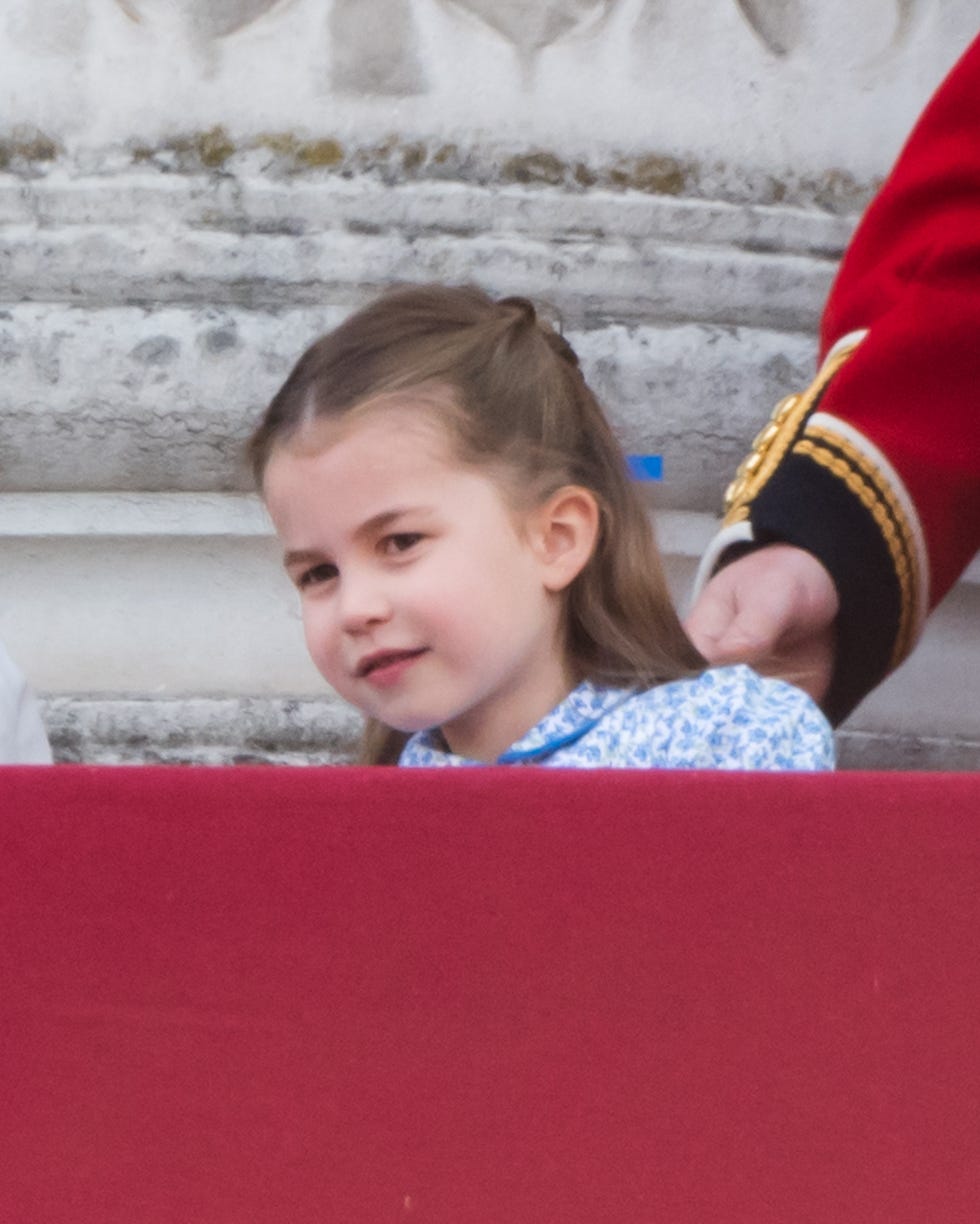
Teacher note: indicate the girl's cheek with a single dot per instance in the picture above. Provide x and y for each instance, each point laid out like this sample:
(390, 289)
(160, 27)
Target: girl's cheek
(320, 638)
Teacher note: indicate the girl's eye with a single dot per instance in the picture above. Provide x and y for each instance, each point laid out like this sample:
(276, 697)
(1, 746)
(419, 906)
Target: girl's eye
(400, 542)
(316, 574)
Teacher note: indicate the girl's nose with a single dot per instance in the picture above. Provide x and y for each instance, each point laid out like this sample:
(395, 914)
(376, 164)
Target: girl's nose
(363, 603)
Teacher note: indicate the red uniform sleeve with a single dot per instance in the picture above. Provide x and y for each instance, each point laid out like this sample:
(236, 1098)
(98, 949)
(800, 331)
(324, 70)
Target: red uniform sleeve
(876, 467)
(911, 276)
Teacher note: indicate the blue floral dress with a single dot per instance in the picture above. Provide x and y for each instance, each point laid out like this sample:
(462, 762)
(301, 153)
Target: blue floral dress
(726, 718)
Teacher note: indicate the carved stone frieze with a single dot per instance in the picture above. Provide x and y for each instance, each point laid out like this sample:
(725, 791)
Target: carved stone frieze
(374, 48)
(208, 18)
(787, 26)
(532, 25)
(778, 24)
(374, 45)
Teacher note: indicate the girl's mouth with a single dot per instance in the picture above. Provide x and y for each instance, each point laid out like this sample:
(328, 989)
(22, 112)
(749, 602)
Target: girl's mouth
(387, 666)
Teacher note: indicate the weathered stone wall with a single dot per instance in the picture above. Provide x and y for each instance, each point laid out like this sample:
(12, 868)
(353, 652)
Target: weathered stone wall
(767, 99)
(190, 191)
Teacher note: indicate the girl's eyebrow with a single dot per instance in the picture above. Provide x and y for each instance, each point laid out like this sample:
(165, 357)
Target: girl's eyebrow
(301, 556)
(378, 522)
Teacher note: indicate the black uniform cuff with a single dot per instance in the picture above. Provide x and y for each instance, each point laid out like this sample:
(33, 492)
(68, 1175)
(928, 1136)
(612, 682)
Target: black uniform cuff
(842, 534)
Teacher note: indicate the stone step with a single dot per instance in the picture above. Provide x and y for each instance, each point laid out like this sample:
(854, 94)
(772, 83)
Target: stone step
(149, 316)
(125, 398)
(270, 731)
(255, 202)
(584, 278)
(144, 730)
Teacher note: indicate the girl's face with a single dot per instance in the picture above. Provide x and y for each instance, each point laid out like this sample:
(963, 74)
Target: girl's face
(427, 600)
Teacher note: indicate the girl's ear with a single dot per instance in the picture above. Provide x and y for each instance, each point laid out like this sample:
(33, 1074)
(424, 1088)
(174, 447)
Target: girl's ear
(563, 533)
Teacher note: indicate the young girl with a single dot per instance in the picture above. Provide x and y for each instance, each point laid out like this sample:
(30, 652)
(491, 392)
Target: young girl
(476, 572)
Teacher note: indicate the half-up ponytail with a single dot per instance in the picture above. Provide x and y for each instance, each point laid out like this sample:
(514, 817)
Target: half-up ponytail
(521, 308)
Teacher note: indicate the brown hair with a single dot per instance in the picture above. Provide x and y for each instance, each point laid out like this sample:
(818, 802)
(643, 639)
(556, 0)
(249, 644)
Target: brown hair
(520, 404)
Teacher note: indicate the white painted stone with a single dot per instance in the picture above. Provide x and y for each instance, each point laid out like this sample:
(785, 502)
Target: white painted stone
(252, 198)
(157, 615)
(164, 399)
(162, 394)
(739, 97)
(603, 277)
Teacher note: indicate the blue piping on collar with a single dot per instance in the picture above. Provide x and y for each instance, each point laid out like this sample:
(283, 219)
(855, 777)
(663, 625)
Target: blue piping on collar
(516, 756)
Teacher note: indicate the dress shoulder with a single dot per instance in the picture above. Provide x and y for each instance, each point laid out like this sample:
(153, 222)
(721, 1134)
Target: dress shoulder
(733, 718)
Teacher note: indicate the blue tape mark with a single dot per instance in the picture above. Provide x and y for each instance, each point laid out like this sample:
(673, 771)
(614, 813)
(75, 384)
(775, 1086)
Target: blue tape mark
(646, 467)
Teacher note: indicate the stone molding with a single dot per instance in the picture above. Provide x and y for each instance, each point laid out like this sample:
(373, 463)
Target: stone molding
(200, 731)
(138, 353)
(726, 89)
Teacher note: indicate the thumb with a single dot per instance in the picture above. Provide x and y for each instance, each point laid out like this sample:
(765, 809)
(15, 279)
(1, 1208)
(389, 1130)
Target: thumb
(728, 630)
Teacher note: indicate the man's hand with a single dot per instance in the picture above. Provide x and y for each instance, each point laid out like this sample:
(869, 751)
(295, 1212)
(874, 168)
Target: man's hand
(774, 609)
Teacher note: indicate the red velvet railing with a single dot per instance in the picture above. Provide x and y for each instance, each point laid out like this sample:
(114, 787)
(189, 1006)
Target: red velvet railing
(488, 997)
